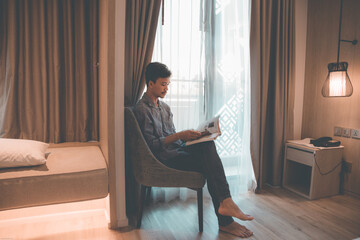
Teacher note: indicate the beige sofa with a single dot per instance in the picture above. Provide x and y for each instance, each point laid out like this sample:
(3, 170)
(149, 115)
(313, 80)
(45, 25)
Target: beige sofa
(71, 173)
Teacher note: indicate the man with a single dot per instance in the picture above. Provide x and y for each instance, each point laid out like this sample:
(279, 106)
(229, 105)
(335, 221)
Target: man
(155, 120)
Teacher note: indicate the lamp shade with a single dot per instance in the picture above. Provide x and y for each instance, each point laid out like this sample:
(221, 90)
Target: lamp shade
(337, 83)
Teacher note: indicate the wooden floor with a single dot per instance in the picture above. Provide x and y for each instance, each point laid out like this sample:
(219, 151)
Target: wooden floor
(279, 214)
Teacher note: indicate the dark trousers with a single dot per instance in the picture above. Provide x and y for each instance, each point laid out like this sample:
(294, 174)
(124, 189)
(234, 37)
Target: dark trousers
(203, 158)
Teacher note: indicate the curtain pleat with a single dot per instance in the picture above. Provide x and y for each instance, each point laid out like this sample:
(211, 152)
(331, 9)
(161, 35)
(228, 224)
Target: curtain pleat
(272, 86)
(141, 23)
(48, 70)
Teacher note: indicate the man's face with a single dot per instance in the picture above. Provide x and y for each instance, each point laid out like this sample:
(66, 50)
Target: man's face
(160, 88)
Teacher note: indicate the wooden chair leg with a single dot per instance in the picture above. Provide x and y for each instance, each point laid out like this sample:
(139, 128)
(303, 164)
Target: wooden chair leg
(141, 205)
(200, 209)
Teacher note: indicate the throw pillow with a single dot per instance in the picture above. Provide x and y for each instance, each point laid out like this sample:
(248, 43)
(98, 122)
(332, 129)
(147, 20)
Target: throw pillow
(21, 152)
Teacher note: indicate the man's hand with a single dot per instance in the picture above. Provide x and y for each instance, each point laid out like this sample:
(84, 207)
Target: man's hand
(188, 135)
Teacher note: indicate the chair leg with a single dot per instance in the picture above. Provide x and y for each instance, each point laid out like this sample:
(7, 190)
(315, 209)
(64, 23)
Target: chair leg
(141, 205)
(148, 193)
(200, 209)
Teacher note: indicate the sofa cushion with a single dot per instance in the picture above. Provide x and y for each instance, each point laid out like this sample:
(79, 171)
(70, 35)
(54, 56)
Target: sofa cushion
(70, 174)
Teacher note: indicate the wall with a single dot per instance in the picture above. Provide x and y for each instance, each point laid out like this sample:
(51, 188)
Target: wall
(300, 54)
(322, 114)
(111, 103)
(103, 102)
(103, 77)
(118, 107)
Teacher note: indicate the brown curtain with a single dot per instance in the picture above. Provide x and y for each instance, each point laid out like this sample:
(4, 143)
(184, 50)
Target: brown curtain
(141, 23)
(48, 70)
(272, 87)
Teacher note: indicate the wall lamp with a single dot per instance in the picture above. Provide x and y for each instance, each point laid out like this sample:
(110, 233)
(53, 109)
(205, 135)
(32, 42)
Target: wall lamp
(337, 83)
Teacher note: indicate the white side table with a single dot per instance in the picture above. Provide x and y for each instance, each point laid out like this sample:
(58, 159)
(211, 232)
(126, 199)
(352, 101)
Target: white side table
(312, 172)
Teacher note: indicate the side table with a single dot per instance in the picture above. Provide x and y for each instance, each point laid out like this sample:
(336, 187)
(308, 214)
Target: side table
(312, 172)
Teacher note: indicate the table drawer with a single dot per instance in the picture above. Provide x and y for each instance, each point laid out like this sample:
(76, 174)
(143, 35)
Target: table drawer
(300, 156)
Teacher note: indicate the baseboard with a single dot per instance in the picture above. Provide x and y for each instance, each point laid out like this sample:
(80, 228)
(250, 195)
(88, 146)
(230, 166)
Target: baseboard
(123, 222)
(272, 186)
(352, 194)
(119, 224)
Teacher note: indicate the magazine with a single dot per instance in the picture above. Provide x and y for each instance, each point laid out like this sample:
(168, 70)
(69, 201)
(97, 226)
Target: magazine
(209, 129)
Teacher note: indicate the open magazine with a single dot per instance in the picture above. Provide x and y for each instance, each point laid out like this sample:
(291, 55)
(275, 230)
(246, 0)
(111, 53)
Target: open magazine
(209, 129)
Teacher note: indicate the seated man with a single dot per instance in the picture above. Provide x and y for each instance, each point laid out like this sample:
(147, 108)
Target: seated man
(155, 120)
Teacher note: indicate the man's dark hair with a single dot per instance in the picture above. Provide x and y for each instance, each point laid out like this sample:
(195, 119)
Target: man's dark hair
(156, 70)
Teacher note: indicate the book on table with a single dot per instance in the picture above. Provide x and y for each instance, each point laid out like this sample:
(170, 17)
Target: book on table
(210, 130)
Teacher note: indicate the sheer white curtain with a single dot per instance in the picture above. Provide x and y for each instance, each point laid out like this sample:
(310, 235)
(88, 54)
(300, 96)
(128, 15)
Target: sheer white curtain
(229, 90)
(179, 45)
(206, 46)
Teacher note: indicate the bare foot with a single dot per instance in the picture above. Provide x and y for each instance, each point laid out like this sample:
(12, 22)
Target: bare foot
(229, 208)
(236, 229)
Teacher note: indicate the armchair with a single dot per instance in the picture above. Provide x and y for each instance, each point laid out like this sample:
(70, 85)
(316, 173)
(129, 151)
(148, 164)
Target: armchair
(150, 172)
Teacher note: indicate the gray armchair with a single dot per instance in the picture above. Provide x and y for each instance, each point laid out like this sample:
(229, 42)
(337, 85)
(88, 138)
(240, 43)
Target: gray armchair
(150, 172)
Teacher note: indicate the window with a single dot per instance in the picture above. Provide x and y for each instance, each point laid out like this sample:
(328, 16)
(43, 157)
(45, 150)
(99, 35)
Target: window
(206, 46)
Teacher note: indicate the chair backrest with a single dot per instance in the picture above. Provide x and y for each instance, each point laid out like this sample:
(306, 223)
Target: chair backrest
(137, 149)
